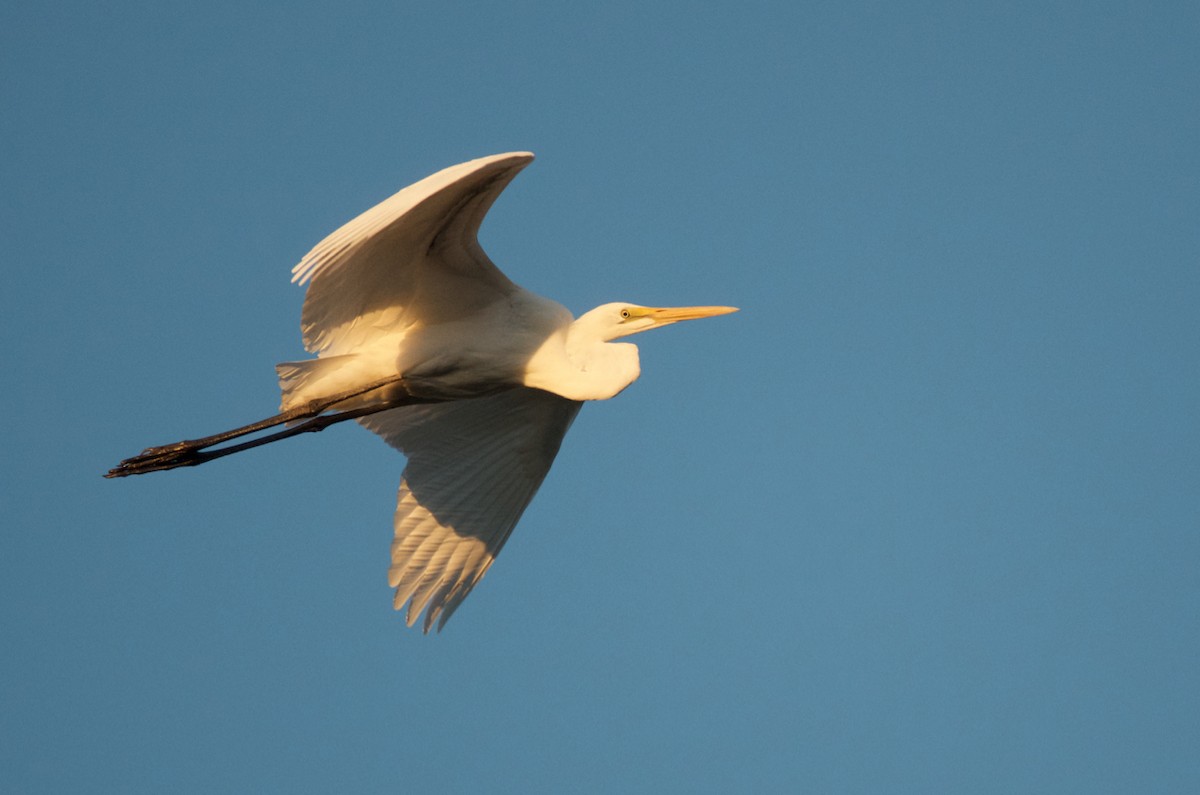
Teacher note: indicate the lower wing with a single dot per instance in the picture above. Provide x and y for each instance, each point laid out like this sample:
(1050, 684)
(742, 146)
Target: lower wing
(473, 467)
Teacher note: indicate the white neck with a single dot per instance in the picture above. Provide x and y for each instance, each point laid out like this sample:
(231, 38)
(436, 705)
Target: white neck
(578, 366)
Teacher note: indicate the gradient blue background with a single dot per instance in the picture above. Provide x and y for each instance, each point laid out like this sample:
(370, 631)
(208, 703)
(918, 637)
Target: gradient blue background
(923, 517)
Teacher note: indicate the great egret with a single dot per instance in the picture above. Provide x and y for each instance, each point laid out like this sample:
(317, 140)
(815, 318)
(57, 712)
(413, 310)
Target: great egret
(425, 342)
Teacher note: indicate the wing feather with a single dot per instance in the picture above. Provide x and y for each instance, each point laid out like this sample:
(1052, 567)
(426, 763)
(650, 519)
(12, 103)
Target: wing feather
(413, 258)
(473, 467)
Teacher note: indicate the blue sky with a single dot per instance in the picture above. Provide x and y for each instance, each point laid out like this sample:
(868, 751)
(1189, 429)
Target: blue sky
(923, 517)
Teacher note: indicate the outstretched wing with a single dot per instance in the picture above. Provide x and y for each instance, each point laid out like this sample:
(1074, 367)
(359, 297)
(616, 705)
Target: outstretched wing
(413, 258)
(473, 467)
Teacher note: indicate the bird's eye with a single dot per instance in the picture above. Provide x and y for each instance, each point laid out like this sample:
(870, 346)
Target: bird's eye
(624, 314)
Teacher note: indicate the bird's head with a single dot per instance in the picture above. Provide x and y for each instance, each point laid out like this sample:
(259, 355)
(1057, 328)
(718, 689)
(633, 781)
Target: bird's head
(596, 367)
(620, 320)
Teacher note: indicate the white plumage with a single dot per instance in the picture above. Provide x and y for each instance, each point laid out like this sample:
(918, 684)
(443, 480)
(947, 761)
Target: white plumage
(473, 467)
(476, 380)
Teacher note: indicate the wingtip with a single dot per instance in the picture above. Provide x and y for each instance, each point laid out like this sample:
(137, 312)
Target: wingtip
(511, 158)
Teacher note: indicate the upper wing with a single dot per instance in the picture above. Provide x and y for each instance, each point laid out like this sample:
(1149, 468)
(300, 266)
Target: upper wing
(412, 258)
(473, 467)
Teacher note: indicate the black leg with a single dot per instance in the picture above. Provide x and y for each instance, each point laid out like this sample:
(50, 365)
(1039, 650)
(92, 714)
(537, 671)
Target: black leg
(191, 452)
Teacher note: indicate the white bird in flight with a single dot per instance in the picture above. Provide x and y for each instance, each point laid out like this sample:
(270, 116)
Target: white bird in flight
(425, 342)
